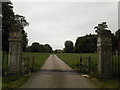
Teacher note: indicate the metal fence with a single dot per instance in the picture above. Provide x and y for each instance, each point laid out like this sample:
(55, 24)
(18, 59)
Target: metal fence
(115, 64)
(88, 66)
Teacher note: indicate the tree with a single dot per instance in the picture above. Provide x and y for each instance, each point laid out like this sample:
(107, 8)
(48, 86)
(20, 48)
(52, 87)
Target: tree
(35, 47)
(10, 19)
(114, 42)
(48, 48)
(24, 40)
(68, 47)
(7, 19)
(117, 33)
(28, 49)
(20, 20)
(86, 44)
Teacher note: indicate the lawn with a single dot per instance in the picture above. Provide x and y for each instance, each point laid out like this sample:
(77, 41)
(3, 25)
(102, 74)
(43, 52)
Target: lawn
(13, 82)
(73, 61)
(40, 58)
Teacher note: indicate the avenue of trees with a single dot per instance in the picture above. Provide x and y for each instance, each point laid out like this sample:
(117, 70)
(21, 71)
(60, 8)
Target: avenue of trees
(9, 19)
(36, 47)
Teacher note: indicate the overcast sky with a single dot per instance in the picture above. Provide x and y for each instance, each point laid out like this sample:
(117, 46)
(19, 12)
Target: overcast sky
(55, 22)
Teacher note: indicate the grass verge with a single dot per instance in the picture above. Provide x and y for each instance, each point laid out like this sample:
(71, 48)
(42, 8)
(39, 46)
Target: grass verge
(16, 82)
(73, 61)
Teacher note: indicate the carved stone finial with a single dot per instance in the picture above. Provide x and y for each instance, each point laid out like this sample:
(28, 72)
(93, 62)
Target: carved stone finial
(100, 27)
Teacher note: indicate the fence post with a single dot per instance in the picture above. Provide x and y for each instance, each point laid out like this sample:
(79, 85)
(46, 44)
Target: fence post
(28, 64)
(33, 62)
(3, 55)
(81, 61)
(81, 64)
(7, 61)
(24, 67)
(89, 65)
(118, 65)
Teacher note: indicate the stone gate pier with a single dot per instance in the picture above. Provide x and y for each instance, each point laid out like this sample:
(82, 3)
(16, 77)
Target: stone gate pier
(15, 50)
(104, 48)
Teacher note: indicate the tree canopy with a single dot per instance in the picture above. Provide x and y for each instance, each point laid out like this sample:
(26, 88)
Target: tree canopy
(86, 44)
(36, 47)
(68, 47)
(7, 19)
(117, 33)
(10, 19)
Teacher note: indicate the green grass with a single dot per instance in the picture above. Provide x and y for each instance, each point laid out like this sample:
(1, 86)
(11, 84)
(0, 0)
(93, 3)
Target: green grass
(73, 61)
(15, 82)
(40, 58)
(10, 82)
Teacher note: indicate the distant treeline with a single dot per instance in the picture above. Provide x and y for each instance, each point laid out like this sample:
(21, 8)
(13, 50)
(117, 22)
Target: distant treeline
(36, 47)
(88, 43)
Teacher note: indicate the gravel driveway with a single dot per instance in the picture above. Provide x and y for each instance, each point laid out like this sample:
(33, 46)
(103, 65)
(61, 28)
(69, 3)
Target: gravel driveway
(56, 74)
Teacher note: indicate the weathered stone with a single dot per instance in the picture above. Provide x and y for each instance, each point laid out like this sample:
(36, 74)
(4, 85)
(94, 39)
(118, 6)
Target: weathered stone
(104, 47)
(15, 50)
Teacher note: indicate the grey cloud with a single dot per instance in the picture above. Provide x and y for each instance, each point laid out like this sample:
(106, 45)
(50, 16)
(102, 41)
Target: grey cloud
(54, 23)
